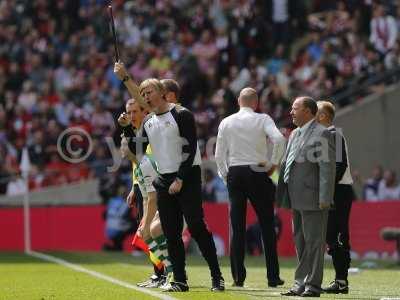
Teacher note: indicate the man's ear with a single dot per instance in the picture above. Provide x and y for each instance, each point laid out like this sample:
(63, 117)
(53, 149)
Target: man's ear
(167, 95)
(256, 104)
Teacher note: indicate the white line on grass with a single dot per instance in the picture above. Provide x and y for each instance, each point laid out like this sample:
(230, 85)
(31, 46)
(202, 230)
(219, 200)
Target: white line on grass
(79, 268)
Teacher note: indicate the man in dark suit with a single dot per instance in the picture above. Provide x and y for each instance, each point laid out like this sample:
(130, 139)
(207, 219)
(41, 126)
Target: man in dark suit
(306, 185)
(337, 236)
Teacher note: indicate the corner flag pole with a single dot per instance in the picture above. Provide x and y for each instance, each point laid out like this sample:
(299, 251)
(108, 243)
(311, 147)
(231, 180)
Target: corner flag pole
(114, 33)
(25, 167)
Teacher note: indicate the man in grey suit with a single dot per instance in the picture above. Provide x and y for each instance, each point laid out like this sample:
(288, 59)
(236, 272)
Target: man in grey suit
(306, 185)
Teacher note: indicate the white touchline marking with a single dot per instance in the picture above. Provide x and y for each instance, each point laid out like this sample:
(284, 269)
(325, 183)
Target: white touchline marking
(79, 268)
(126, 265)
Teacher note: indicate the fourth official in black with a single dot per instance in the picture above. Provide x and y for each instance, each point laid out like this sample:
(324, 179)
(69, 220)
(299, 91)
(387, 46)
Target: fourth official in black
(337, 236)
(241, 157)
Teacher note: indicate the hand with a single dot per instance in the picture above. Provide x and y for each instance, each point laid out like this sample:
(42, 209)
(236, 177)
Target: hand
(175, 187)
(139, 231)
(324, 205)
(124, 119)
(145, 232)
(130, 200)
(271, 170)
(124, 147)
(120, 71)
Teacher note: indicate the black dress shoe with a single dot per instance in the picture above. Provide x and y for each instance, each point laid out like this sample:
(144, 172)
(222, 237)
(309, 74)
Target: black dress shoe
(310, 293)
(336, 287)
(275, 283)
(290, 293)
(237, 284)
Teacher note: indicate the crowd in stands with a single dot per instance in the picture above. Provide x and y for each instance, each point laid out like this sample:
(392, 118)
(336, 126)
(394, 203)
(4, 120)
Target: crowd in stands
(56, 67)
(381, 186)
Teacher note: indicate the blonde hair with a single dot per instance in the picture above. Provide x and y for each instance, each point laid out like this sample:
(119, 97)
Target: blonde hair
(154, 83)
(132, 101)
(327, 107)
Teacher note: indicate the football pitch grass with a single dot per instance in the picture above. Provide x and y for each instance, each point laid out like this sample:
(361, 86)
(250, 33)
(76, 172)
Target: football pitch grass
(114, 275)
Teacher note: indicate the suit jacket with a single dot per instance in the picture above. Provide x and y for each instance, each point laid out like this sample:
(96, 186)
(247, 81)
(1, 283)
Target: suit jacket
(312, 174)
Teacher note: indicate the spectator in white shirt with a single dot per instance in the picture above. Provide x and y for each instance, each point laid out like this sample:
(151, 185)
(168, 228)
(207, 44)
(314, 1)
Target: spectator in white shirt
(371, 186)
(389, 188)
(280, 20)
(383, 30)
(16, 186)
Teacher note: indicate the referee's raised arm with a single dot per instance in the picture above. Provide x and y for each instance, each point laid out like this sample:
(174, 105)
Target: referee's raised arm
(133, 89)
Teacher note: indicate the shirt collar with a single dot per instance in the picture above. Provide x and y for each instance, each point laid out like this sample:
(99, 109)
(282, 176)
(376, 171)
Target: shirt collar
(305, 127)
(245, 108)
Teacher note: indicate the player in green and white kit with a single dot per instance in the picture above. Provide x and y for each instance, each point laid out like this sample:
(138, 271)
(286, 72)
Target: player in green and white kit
(145, 171)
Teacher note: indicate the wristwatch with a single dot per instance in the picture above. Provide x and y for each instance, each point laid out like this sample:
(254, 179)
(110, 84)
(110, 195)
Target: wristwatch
(126, 78)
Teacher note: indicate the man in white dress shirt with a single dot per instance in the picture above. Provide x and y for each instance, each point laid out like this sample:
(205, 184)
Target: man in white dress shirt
(241, 156)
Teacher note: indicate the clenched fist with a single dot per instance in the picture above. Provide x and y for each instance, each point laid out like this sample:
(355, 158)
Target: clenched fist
(124, 119)
(175, 187)
(120, 71)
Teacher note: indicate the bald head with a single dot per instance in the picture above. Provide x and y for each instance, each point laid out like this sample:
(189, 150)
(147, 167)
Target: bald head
(326, 113)
(327, 108)
(248, 98)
